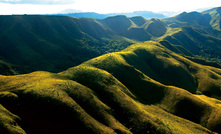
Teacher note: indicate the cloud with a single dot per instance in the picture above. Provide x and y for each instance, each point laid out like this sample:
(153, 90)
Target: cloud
(40, 2)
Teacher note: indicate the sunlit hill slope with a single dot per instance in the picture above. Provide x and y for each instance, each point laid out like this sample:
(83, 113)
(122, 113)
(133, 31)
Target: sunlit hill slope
(146, 88)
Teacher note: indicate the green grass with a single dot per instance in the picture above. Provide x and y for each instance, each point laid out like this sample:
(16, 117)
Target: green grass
(133, 73)
(199, 33)
(138, 20)
(155, 27)
(215, 17)
(176, 48)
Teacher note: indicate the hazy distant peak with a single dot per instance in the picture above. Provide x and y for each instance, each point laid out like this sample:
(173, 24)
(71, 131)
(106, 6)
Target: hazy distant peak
(66, 11)
(138, 17)
(138, 20)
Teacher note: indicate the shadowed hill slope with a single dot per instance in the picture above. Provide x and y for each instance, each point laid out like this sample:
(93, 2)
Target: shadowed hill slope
(195, 19)
(195, 41)
(197, 32)
(215, 14)
(155, 27)
(138, 20)
(119, 24)
(9, 69)
(54, 43)
(207, 22)
(176, 48)
(125, 26)
(115, 93)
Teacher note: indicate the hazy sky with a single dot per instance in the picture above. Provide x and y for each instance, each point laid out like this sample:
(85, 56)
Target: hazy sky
(102, 6)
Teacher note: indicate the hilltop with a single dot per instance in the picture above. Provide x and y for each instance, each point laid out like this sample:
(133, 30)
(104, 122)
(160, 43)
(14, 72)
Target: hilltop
(144, 88)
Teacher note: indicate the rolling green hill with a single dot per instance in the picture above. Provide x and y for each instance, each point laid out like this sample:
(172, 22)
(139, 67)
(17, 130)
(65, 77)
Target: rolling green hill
(138, 20)
(196, 32)
(155, 27)
(204, 45)
(208, 22)
(194, 19)
(54, 43)
(146, 88)
(215, 14)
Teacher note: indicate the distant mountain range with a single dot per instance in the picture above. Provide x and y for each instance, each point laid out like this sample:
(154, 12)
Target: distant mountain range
(145, 14)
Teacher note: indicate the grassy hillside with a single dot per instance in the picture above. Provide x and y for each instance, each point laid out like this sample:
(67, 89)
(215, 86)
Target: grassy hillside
(194, 19)
(138, 20)
(54, 43)
(116, 93)
(196, 42)
(197, 32)
(207, 22)
(119, 24)
(215, 14)
(155, 27)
